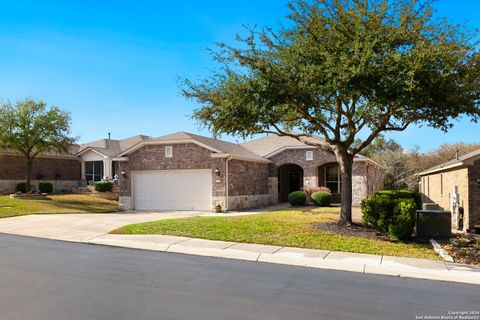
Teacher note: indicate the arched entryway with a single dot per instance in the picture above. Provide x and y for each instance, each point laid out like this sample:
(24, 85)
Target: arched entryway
(290, 178)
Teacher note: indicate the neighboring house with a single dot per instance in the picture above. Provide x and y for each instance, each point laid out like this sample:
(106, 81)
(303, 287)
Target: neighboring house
(62, 170)
(455, 186)
(183, 171)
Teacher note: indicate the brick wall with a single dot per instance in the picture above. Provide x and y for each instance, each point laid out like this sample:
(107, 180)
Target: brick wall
(245, 178)
(13, 167)
(473, 214)
(366, 177)
(298, 157)
(438, 188)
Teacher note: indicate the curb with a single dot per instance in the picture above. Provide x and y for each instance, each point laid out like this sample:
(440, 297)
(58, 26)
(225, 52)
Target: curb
(441, 252)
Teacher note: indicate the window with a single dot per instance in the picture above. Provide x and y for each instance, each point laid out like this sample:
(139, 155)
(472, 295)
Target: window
(309, 155)
(168, 151)
(333, 178)
(93, 170)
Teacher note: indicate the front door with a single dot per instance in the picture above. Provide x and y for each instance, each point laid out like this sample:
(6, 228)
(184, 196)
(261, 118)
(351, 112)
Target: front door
(294, 182)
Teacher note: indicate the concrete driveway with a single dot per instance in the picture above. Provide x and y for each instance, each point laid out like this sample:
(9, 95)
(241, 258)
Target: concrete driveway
(81, 227)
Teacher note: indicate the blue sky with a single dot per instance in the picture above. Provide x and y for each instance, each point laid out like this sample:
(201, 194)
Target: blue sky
(114, 64)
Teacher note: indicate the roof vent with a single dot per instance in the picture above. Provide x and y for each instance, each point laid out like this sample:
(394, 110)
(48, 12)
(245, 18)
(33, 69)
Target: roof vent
(456, 155)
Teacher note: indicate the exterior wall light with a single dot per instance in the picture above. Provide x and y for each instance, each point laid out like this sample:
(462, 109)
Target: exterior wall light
(478, 182)
(217, 172)
(124, 174)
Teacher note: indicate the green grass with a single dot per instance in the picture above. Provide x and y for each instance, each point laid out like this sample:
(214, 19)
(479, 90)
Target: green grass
(73, 203)
(292, 227)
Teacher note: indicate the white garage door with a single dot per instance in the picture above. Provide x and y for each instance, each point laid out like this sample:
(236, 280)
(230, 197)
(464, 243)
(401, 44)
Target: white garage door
(173, 190)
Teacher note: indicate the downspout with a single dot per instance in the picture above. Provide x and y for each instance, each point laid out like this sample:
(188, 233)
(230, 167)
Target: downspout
(226, 182)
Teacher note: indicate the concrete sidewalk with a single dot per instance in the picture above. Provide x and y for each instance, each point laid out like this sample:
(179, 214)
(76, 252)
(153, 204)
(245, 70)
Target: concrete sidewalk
(354, 262)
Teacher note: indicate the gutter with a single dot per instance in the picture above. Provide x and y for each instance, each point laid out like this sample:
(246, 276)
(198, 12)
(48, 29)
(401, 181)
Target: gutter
(226, 182)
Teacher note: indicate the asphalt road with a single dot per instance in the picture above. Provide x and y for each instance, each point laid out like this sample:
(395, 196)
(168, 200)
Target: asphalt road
(46, 279)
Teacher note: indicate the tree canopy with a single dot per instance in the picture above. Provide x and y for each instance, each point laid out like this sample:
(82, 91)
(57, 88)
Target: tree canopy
(337, 68)
(32, 129)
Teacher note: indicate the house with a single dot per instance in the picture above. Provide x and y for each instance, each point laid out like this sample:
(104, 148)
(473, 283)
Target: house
(184, 171)
(455, 186)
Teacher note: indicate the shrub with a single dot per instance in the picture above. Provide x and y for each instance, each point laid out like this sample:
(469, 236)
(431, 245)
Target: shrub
(45, 187)
(390, 214)
(402, 194)
(297, 198)
(309, 190)
(21, 187)
(321, 198)
(403, 220)
(103, 186)
(377, 212)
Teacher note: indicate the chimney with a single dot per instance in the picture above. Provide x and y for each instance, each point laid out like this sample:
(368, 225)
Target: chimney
(456, 155)
(109, 134)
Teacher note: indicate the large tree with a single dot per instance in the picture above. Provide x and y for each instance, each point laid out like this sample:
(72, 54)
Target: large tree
(342, 69)
(32, 129)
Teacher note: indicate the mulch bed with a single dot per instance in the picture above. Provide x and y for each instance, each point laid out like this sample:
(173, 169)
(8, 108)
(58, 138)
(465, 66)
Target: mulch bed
(466, 255)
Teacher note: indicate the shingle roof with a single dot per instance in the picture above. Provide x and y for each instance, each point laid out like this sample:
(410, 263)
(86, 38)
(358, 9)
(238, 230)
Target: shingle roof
(272, 143)
(111, 147)
(220, 145)
(453, 162)
(257, 149)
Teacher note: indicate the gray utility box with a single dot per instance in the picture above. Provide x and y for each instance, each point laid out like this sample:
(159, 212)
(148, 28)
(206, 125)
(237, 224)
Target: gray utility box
(433, 224)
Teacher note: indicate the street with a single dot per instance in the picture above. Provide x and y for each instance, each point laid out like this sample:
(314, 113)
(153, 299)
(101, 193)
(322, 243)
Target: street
(47, 279)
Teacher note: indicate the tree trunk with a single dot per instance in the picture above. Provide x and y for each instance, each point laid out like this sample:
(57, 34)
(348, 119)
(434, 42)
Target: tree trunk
(345, 162)
(28, 173)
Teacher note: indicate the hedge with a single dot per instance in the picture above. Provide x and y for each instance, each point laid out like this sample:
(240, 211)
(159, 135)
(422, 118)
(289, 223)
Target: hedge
(297, 198)
(103, 186)
(391, 212)
(321, 198)
(402, 194)
(45, 187)
(21, 187)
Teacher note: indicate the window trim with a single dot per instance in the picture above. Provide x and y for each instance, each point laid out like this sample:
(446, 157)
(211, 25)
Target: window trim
(168, 152)
(309, 155)
(339, 180)
(94, 173)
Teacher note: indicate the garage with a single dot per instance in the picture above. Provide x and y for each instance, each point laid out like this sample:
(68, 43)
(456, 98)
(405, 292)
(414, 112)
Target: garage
(172, 189)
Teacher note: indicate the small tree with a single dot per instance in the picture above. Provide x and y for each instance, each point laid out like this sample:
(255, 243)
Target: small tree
(32, 129)
(342, 69)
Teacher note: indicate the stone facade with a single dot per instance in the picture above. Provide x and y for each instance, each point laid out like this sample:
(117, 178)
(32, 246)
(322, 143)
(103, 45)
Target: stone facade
(248, 181)
(63, 173)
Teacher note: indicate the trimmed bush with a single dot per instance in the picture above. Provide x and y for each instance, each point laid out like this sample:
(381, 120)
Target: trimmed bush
(402, 194)
(45, 187)
(321, 198)
(309, 190)
(297, 198)
(390, 214)
(403, 220)
(21, 187)
(103, 186)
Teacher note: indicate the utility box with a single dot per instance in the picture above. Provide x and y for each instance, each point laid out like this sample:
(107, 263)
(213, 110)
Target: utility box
(433, 224)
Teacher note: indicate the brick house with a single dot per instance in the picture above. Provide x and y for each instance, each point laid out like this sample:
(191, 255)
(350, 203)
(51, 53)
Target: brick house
(183, 171)
(455, 186)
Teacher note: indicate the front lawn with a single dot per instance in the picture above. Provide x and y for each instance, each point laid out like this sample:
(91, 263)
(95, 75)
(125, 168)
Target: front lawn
(72, 203)
(293, 227)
